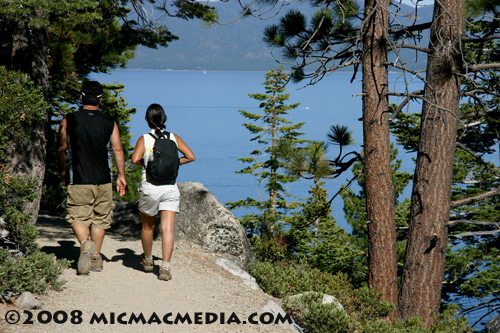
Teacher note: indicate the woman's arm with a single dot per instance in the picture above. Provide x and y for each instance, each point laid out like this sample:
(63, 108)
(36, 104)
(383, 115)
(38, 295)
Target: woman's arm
(184, 149)
(138, 152)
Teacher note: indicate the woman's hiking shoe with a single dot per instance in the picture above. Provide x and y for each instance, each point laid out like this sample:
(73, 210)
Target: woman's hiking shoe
(164, 274)
(96, 263)
(84, 262)
(148, 264)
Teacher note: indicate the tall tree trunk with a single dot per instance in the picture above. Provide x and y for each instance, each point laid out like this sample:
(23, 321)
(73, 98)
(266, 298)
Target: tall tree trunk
(30, 54)
(431, 197)
(382, 265)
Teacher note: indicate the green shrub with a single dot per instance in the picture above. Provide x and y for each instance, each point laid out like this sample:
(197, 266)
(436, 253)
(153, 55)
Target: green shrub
(315, 316)
(35, 272)
(23, 267)
(364, 309)
(28, 269)
(15, 191)
(288, 278)
(270, 248)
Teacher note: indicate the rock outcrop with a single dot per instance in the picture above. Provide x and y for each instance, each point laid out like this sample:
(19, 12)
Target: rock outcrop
(231, 267)
(126, 220)
(493, 326)
(203, 220)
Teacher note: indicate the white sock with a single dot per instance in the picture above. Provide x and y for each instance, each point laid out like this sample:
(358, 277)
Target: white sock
(165, 264)
(148, 258)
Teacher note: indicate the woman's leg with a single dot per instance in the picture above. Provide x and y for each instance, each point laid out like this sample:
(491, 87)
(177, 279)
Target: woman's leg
(148, 226)
(167, 231)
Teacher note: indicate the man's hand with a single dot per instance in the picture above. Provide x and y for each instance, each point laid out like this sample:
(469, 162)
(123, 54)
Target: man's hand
(116, 145)
(121, 186)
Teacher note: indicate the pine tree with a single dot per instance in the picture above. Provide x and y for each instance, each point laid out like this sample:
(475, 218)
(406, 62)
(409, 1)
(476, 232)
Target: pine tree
(272, 128)
(472, 269)
(313, 235)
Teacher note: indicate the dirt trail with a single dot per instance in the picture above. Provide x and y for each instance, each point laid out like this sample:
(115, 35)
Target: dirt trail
(198, 286)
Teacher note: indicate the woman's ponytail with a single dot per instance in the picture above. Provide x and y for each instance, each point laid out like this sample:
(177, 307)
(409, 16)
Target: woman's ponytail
(156, 117)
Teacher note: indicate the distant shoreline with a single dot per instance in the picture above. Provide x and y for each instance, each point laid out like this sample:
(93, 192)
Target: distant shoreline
(222, 71)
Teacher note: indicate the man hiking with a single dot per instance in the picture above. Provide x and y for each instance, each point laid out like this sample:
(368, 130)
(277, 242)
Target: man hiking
(85, 164)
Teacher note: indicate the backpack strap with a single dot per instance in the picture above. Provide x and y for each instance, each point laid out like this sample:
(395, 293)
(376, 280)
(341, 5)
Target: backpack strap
(163, 135)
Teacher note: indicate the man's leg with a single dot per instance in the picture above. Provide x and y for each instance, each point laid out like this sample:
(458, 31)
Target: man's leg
(103, 215)
(81, 231)
(97, 236)
(79, 205)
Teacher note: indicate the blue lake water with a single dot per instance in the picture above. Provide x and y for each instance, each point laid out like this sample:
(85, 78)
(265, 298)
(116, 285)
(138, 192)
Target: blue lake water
(202, 108)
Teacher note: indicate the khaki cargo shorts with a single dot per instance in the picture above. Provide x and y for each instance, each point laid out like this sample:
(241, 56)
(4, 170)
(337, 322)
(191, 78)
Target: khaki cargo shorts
(91, 205)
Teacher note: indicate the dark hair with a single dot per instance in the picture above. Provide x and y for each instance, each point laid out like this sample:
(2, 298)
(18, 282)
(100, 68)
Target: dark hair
(156, 117)
(91, 93)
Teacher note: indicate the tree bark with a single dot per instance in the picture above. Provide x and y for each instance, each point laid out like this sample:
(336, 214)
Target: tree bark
(30, 54)
(382, 263)
(431, 197)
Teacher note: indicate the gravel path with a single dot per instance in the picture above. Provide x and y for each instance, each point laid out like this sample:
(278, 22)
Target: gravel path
(123, 288)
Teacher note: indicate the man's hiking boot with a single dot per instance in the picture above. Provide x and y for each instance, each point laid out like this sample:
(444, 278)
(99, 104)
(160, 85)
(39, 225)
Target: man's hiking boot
(84, 262)
(96, 263)
(164, 274)
(148, 264)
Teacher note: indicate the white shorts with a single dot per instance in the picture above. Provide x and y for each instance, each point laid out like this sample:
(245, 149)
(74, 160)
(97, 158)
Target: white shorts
(154, 198)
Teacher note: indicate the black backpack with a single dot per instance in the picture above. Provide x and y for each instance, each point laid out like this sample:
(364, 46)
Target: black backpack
(163, 167)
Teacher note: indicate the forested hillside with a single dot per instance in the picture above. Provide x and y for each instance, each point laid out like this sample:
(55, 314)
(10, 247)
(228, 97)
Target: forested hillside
(239, 46)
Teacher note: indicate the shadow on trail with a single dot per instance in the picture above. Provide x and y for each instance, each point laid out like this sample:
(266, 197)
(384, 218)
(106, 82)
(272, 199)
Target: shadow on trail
(66, 250)
(131, 260)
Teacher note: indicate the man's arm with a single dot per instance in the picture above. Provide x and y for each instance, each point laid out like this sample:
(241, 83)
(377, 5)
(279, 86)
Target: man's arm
(116, 145)
(61, 151)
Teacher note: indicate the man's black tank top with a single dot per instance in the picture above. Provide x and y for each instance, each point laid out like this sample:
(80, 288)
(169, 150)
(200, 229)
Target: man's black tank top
(89, 137)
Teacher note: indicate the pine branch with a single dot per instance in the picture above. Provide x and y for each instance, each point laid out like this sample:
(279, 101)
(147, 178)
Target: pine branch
(477, 68)
(494, 114)
(479, 159)
(480, 40)
(471, 200)
(475, 233)
(473, 93)
(416, 27)
(413, 47)
(455, 222)
(328, 205)
(413, 95)
(480, 306)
